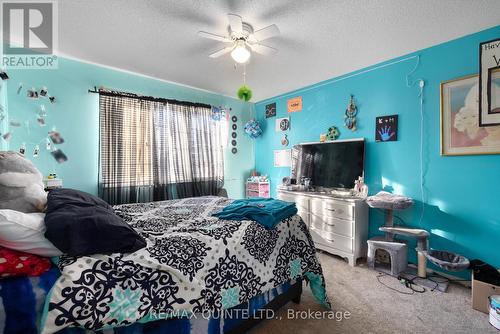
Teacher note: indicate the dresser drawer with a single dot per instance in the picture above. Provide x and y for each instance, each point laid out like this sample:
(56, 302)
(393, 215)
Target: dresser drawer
(302, 212)
(333, 209)
(301, 202)
(332, 240)
(334, 225)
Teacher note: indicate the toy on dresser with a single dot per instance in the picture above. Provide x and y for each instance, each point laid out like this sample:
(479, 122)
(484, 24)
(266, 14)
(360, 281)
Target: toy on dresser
(360, 188)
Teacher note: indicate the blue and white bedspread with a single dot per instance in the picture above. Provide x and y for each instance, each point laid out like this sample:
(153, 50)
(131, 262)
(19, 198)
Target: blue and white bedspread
(193, 264)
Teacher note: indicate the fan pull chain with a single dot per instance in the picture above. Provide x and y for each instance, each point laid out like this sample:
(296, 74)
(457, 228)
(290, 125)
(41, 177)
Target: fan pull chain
(244, 74)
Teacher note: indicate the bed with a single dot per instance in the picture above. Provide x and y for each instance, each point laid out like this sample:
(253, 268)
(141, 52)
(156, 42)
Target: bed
(195, 271)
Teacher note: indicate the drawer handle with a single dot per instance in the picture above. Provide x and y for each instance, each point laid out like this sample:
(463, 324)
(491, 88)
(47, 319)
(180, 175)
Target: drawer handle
(330, 209)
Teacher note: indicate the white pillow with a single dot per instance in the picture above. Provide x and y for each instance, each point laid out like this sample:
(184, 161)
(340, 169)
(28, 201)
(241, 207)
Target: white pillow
(25, 232)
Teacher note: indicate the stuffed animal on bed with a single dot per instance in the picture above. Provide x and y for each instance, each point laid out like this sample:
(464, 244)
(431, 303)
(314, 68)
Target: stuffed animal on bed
(21, 186)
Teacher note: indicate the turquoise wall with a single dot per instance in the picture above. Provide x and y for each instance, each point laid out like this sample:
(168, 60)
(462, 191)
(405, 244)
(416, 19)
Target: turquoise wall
(3, 122)
(76, 113)
(461, 203)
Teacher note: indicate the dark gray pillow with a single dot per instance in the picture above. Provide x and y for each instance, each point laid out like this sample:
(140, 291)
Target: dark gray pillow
(81, 224)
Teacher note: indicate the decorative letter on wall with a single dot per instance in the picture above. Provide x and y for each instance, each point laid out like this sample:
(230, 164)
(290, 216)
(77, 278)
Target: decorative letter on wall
(489, 74)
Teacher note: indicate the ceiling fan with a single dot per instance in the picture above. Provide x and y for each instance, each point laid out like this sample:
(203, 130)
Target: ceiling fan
(242, 39)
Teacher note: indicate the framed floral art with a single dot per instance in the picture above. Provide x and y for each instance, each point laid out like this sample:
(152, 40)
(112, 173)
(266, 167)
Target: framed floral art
(461, 133)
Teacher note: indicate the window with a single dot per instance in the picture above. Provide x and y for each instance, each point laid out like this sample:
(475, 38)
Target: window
(155, 147)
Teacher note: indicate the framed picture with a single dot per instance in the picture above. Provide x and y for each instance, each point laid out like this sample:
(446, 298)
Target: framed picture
(461, 133)
(271, 110)
(386, 128)
(489, 67)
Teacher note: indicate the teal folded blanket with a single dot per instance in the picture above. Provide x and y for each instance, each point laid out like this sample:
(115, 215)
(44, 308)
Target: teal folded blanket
(266, 211)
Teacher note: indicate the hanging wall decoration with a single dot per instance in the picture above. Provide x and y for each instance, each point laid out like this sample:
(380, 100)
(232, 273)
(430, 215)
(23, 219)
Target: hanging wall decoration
(295, 104)
(460, 130)
(271, 110)
(252, 129)
(284, 140)
(244, 92)
(4, 75)
(489, 72)
(282, 124)
(52, 138)
(386, 128)
(218, 113)
(350, 115)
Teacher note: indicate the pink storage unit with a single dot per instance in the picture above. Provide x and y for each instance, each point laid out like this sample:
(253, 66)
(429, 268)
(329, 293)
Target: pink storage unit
(257, 189)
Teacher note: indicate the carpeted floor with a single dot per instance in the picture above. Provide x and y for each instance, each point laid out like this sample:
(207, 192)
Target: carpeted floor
(377, 309)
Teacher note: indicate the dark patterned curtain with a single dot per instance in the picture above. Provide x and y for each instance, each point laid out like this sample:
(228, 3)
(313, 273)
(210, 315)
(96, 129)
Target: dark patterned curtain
(156, 150)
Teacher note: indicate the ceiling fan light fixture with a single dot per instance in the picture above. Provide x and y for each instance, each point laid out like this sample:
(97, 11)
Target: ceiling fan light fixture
(240, 53)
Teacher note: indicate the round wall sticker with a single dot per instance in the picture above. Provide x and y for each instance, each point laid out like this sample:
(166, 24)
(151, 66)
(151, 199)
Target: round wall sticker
(234, 119)
(234, 150)
(284, 124)
(233, 142)
(234, 135)
(235, 126)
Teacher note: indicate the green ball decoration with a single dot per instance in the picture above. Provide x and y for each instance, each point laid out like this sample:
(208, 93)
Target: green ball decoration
(244, 93)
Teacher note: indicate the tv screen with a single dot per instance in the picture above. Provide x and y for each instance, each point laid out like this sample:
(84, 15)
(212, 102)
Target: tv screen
(334, 164)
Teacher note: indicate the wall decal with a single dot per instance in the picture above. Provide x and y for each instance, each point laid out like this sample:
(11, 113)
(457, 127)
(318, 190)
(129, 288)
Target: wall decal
(460, 130)
(283, 158)
(234, 119)
(332, 133)
(295, 104)
(386, 128)
(271, 110)
(282, 124)
(489, 67)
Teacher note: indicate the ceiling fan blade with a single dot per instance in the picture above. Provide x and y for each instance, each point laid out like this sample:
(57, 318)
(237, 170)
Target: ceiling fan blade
(221, 52)
(219, 38)
(263, 49)
(235, 22)
(267, 32)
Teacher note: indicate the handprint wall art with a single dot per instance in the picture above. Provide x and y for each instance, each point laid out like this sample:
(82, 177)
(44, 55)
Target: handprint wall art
(386, 128)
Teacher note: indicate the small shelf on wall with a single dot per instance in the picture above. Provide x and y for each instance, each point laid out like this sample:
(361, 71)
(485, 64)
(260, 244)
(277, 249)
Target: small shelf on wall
(258, 189)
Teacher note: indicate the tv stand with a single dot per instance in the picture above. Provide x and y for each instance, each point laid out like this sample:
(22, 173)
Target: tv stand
(338, 222)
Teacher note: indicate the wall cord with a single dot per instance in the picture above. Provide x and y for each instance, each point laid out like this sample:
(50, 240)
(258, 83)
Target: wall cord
(421, 85)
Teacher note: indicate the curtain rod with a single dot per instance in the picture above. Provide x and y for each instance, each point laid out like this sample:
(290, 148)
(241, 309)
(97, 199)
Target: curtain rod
(106, 92)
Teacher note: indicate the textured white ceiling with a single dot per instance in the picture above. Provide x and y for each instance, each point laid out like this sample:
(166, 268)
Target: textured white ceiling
(319, 39)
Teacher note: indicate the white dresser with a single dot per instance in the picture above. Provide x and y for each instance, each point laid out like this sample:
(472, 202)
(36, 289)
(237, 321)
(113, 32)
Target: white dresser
(338, 225)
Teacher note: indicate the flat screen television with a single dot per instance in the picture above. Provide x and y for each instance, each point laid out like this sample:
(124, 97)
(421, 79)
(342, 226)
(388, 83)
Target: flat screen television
(331, 165)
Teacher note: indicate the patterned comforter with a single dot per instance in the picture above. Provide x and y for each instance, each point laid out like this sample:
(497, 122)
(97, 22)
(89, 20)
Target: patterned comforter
(193, 264)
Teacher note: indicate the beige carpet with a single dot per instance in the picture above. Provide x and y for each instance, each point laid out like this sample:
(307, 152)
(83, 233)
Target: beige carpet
(376, 309)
